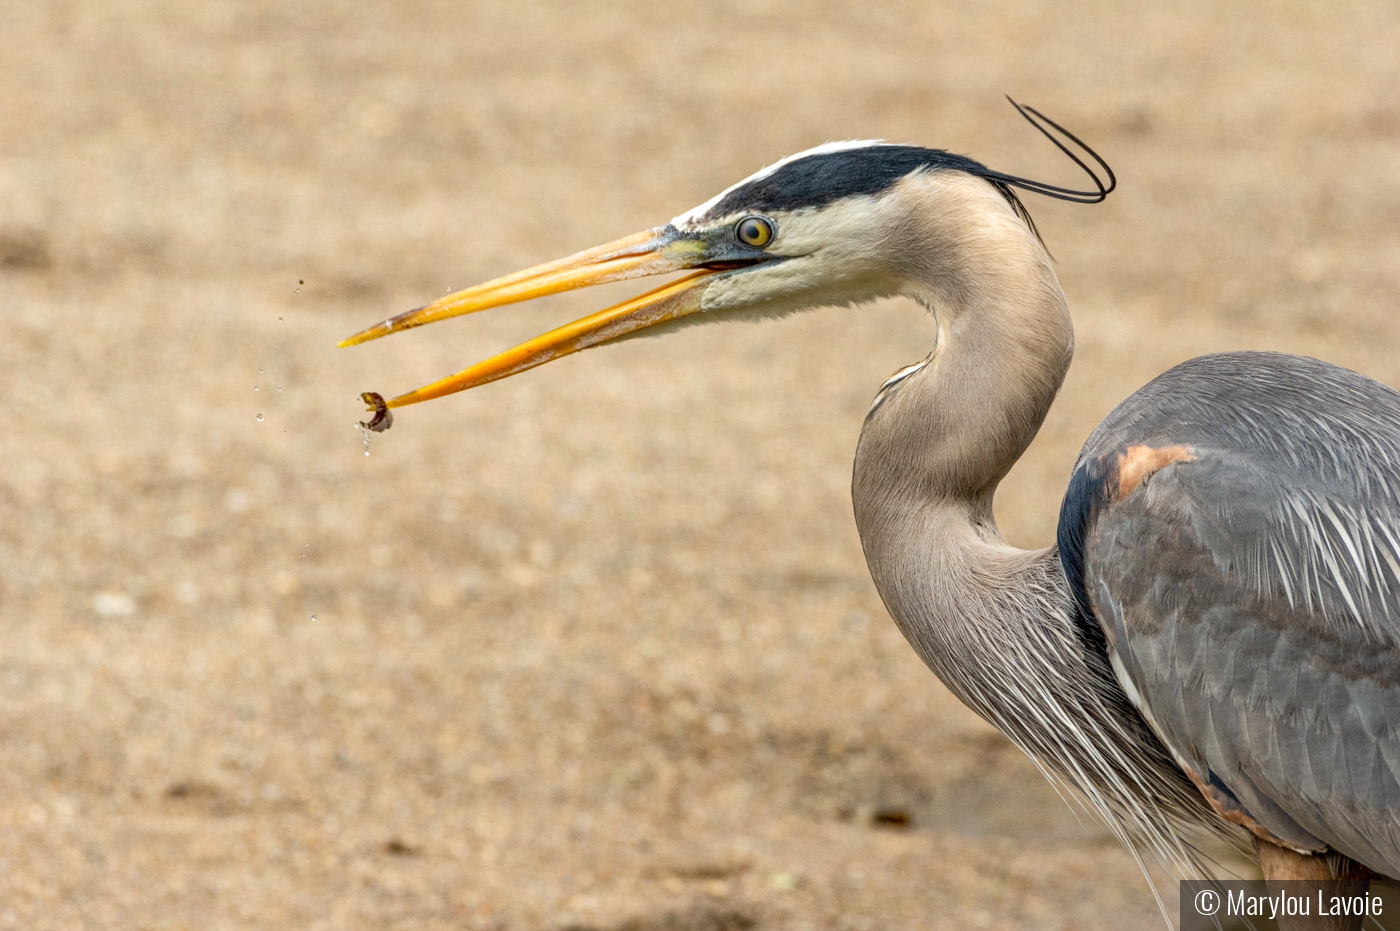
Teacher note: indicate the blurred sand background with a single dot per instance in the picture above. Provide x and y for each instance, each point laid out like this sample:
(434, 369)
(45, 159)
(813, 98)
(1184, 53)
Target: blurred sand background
(593, 648)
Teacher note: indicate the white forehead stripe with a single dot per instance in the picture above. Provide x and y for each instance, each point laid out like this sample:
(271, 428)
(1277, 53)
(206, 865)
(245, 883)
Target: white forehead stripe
(690, 216)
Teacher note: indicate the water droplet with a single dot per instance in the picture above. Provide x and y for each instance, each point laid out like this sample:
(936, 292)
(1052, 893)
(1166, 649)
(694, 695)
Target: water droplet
(259, 371)
(255, 387)
(279, 390)
(313, 617)
(260, 418)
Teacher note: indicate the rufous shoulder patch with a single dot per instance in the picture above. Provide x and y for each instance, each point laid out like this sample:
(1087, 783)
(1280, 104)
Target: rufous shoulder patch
(1138, 462)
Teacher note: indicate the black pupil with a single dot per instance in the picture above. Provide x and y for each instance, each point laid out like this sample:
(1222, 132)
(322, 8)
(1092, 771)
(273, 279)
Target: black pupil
(754, 232)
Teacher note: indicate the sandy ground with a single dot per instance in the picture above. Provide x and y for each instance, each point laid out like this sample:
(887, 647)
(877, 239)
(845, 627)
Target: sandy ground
(595, 648)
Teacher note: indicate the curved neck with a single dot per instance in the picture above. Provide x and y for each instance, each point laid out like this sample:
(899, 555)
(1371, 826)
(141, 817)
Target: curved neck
(998, 625)
(943, 437)
(938, 441)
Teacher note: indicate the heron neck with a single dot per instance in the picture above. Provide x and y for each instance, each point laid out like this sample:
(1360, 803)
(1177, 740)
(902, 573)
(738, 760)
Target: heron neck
(936, 444)
(997, 624)
(948, 433)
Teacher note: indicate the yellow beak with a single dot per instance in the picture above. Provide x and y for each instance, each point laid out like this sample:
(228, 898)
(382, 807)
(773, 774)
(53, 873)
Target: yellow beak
(653, 252)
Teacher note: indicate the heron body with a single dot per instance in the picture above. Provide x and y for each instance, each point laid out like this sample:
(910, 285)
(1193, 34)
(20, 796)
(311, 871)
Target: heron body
(1214, 641)
(1248, 590)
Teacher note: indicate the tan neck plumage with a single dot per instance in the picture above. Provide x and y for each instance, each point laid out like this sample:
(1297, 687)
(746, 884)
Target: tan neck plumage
(948, 433)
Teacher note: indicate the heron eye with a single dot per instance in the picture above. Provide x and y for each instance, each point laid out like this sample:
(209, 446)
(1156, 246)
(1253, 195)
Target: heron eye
(755, 231)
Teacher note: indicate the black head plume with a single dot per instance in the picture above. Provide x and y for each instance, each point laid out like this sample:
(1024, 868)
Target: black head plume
(1004, 182)
(814, 179)
(1039, 121)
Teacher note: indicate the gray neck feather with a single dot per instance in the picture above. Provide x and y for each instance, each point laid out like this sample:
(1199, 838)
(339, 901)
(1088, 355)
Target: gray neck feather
(995, 623)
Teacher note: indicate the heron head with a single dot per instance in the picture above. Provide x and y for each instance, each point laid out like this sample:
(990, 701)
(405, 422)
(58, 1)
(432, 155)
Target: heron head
(823, 227)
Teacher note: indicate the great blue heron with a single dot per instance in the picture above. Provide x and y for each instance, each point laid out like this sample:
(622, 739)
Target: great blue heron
(1213, 643)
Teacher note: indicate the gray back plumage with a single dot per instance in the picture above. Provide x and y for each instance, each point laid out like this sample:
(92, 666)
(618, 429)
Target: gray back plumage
(1250, 588)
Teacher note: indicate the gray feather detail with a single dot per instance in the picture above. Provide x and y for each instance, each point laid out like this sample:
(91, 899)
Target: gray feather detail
(1254, 593)
(894, 381)
(1019, 662)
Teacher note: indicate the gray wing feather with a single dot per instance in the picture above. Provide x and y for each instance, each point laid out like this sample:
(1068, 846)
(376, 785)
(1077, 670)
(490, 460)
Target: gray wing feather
(1252, 592)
